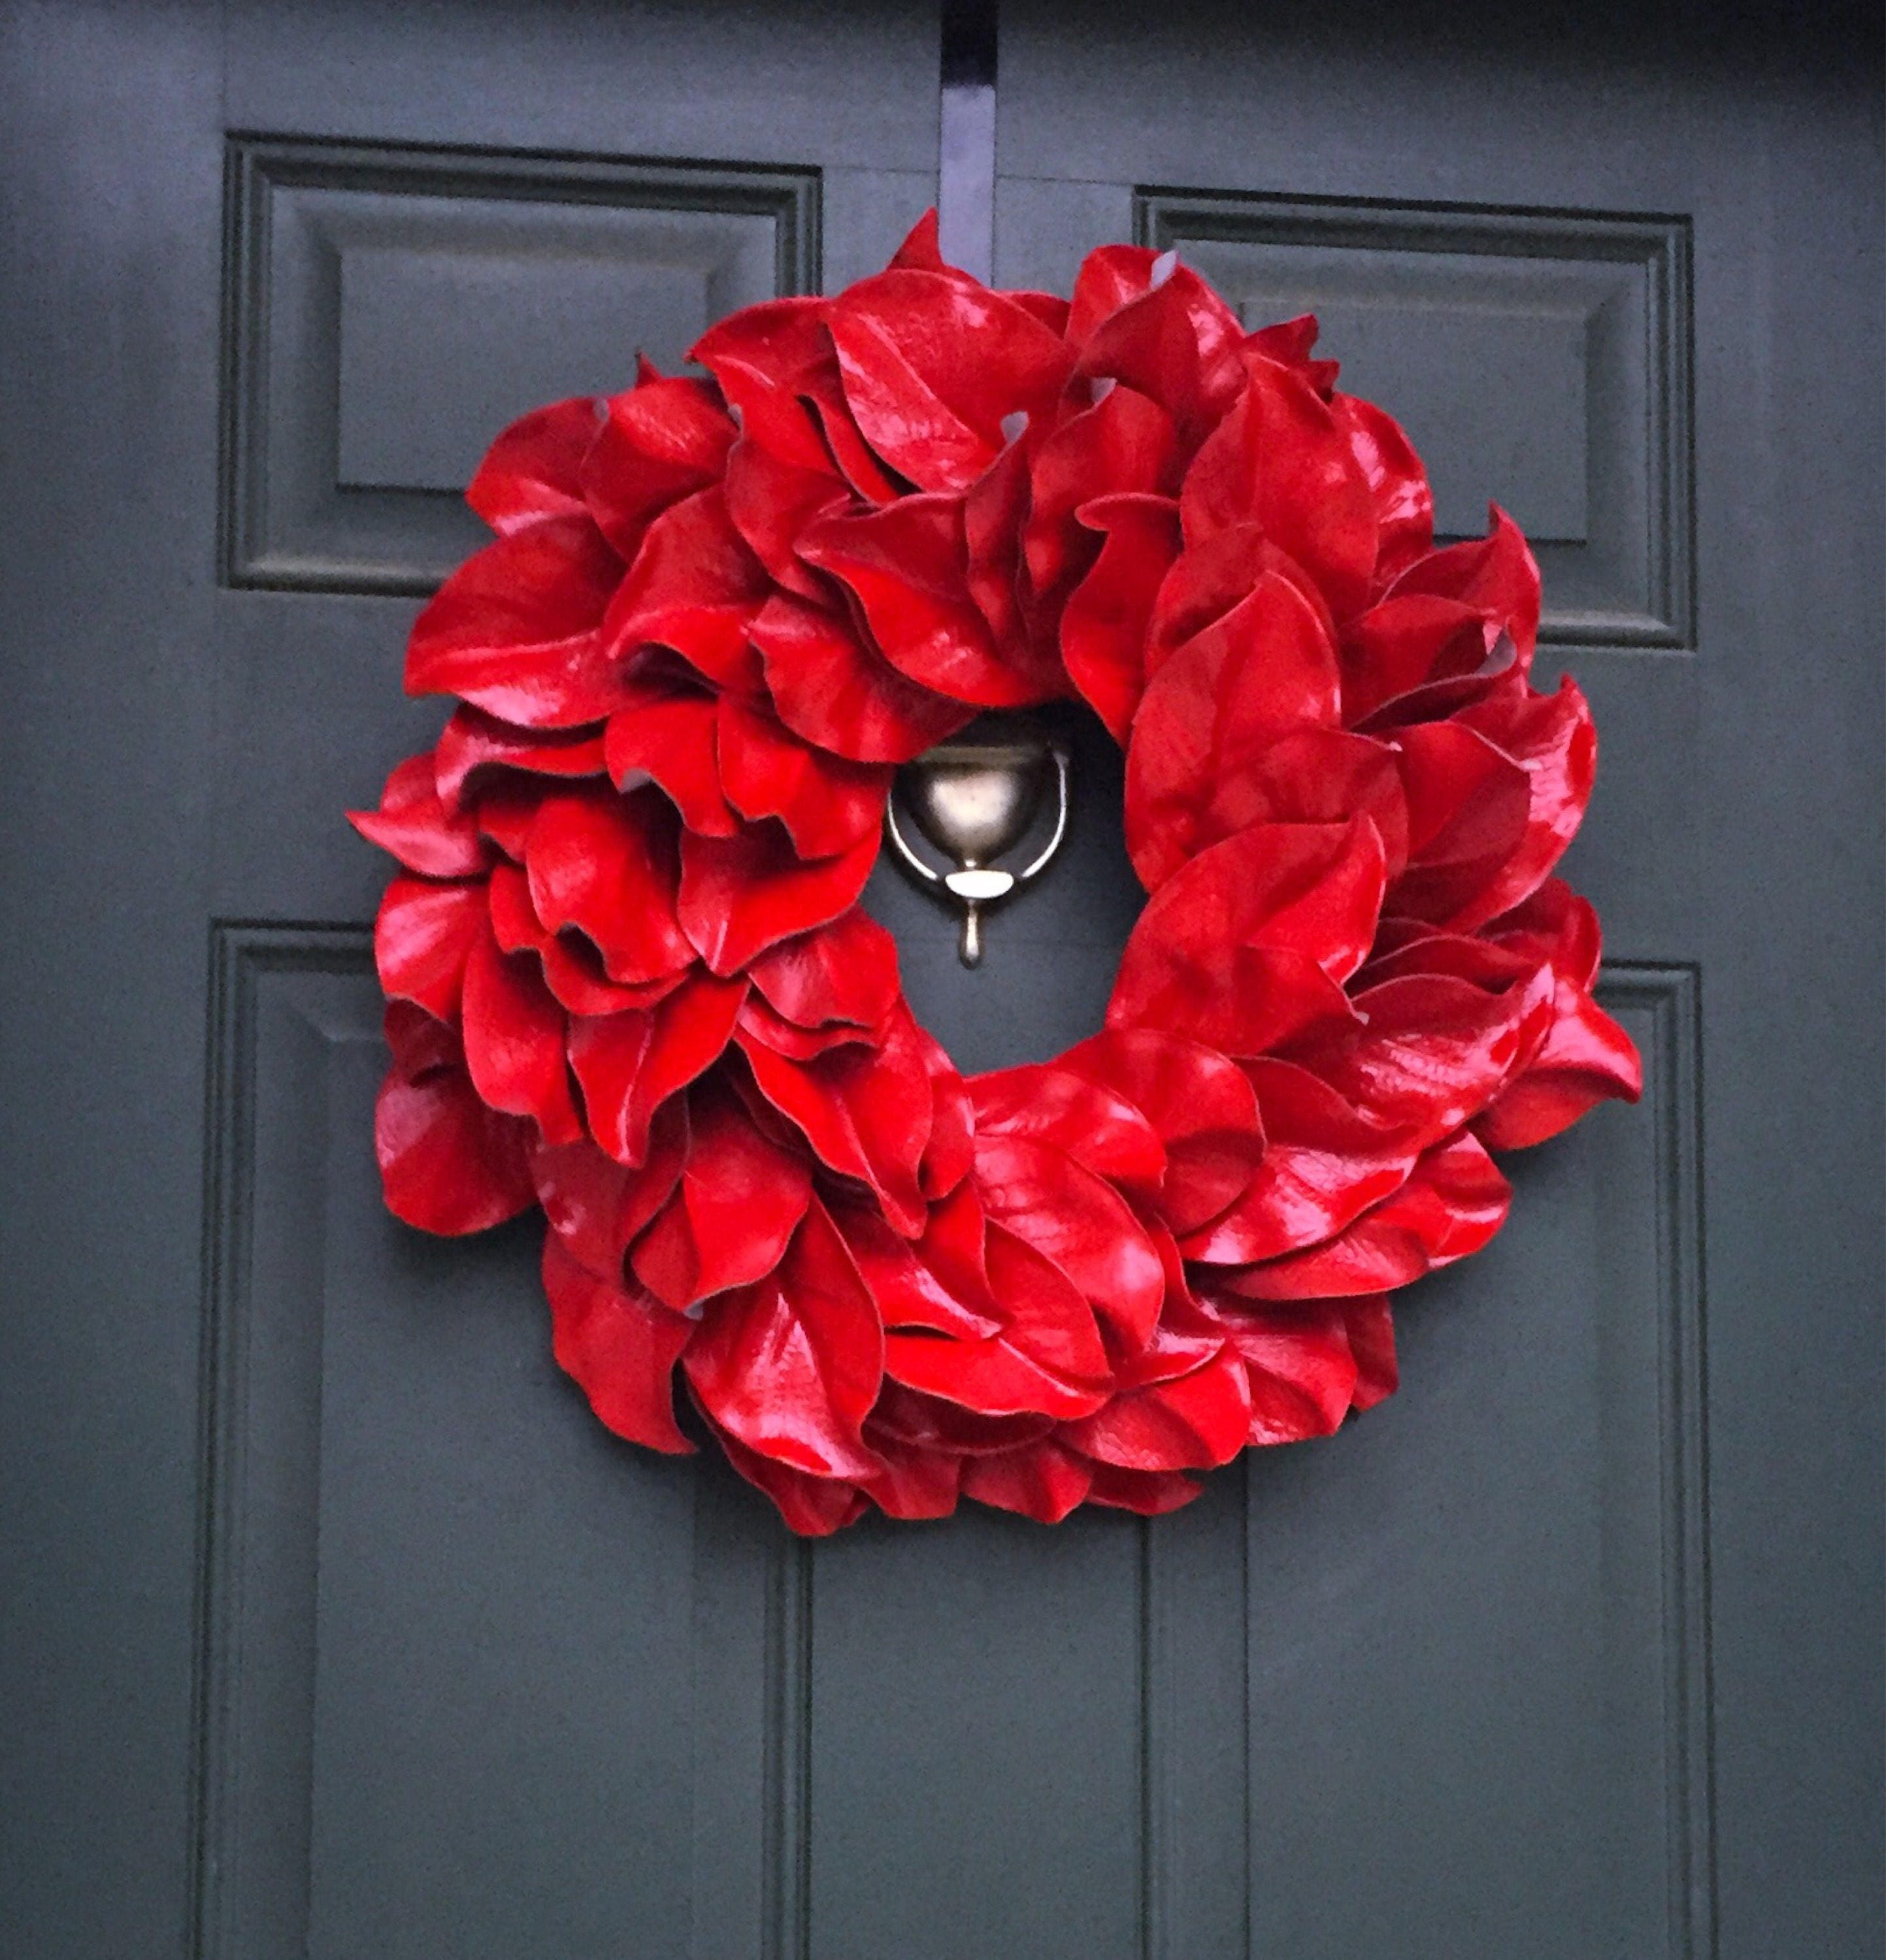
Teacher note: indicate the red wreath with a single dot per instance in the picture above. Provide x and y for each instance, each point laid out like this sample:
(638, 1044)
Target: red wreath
(628, 979)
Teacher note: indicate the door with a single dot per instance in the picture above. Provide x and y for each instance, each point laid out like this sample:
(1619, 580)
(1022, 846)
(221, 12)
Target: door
(334, 1624)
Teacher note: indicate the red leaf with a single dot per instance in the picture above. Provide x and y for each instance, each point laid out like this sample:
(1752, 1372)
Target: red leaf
(908, 565)
(932, 363)
(1123, 445)
(416, 826)
(831, 688)
(1260, 670)
(1078, 1114)
(1176, 342)
(1429, 1053)
(596, 1205)
(791, 1367)
(1301, 1367)
(532, 471)
(664, 733)
(740, 1199)
(1496, 575)
(1324, 1164)
(659, 442)
(1043, 1481)
(845, 972)
(1397, 484)
(771, 501)
(1280, 460)
(910, 1289)
(694, 586)
(741, 895)
(605, 865)
(826, 803)
(1453, 1201)
(1468, 805)
(473, 741)
(1047, 1359)
(447, 1163)
(1193, 1422)
(1586, 1059)
(1250, 942)
(1103, 625)
(513, 1033)
(1079, 1222)
(619, 1347)
(813, 1507)
(422, 938)
(1552, 738)
(513, 631)
(864, 1110)
(629, 1064)
(1202, 1106)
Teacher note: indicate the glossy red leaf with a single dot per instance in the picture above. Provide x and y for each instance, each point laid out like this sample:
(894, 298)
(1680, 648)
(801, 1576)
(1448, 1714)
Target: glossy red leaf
(418, 829)
(1104, 625)
(604, 865)
(1202, 1106)
(832, 688)
(741, 895)
(1300, 1368)
(913, 1290)
(629, 1064)
(740, 1199)
(1430, 1052)
(658, 443)
(422, 938)
(448, 1164)
(595, 1205)
(1044, 1481)
(1467, 804)
(1149, 1493)
(1124, 444)
(1178, 343)
(1587, 1058)
(790, 1366)
(770, 501)
(1078, 1114)
(812, 1506)
(1397, 485)
(692, 587)
(865, 1112)
(1371, 1329)
(1453, 1201)
(845, 972)
(1496, 575)
(932, 364)
(515, 630)
(619, 1346)
(826, 803)
(1325, 1162)
(1194, 1422)
(1280, 460)
(473, 742)
(907, 566)
(1248, 945)
(1077, 1220)
(514, 1035)
(1551, 737)
(664, 732)
(1263, 669)
(533, 470)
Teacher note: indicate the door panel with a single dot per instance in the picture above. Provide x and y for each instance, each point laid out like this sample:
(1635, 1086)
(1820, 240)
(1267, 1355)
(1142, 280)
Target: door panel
(334, 1624)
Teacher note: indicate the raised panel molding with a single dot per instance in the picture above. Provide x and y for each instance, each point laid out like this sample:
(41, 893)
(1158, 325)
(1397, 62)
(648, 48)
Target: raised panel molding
(388, 309)
(1540, 358)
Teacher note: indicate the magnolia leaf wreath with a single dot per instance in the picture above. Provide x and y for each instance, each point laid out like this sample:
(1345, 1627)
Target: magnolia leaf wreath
(628, 979)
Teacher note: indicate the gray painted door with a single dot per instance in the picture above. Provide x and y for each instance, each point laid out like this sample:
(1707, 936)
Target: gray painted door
(331, 1624)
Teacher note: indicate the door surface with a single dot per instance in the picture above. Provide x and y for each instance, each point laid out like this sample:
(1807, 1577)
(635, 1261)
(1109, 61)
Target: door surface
(331, 1622)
